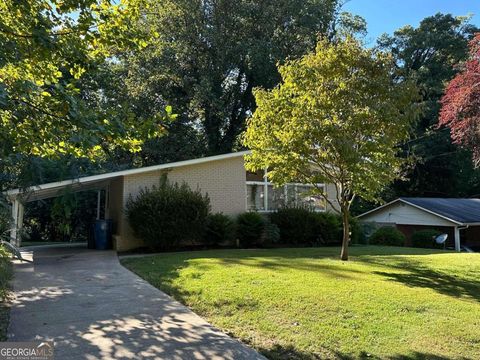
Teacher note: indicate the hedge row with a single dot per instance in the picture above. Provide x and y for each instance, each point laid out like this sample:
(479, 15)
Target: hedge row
(168, 216)
(391, 236)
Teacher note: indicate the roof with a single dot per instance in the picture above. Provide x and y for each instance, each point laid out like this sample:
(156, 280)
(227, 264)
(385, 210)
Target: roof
(100, 180)
(457, 210)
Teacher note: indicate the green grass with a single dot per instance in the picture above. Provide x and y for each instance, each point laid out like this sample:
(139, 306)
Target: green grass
(385, 303)
(6, 273)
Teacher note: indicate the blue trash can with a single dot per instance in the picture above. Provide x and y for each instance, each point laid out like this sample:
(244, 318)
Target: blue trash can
(103, 234)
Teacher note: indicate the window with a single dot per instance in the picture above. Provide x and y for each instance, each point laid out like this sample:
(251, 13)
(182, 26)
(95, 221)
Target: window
(255, 197)
(264, 196)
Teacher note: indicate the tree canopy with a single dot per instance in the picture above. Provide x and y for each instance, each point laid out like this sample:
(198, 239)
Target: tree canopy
(461, 103)
(337, 117)
(429, 53)
(209, 55)
(46, 48)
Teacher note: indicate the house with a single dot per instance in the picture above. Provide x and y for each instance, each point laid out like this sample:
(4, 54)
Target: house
(459, 218)
(232, 190)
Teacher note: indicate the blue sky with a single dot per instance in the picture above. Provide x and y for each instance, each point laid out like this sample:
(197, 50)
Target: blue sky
(388, 15)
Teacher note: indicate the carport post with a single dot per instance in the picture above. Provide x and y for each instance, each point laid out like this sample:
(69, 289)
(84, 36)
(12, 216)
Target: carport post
(99, 198)
(457, 238)
(17, 217)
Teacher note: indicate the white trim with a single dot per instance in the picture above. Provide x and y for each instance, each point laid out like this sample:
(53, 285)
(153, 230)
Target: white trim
(378, 208)
(265, 183)
(265, 191)
(94, 178)
(413, 205)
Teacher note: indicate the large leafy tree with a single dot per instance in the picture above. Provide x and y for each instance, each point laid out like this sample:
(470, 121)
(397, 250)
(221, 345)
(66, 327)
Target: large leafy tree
(46, 49)
(181, 140)
(429, 53)
(461, 103)
(336, 117)
(209, 55)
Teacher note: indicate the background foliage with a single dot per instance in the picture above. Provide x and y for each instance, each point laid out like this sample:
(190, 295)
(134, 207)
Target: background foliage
(46, 49)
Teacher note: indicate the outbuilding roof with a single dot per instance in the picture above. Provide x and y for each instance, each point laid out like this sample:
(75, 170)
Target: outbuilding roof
(458, 210)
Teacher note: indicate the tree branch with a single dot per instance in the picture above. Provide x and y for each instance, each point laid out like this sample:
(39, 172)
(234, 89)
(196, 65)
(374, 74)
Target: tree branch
(36, 107)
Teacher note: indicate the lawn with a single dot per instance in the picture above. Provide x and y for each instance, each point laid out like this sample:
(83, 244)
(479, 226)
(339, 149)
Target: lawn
(385, 303)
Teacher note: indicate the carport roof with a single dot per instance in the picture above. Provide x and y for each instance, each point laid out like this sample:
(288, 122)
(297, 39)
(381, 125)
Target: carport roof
(457, 210)
(44, 191)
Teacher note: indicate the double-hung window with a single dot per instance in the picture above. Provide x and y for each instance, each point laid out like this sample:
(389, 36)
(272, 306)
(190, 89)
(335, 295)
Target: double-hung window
(263, 196)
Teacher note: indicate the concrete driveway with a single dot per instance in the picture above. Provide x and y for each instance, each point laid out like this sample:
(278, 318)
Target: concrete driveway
(94, 308)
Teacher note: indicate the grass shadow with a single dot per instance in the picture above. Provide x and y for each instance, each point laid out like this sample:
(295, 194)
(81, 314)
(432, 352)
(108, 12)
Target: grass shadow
(289, 352)
(414, 274)
(396, 268)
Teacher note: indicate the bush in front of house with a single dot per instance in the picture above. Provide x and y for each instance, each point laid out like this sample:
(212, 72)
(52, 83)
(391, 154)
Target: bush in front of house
(426, 239)
(387, 235)
(297, 225)
(302, 226)
(330, 228)
(270, 235)
(219, 229)
(250, 228)
(364, 231)
(168, 215)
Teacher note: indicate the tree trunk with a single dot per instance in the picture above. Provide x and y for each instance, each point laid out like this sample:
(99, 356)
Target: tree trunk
(346, 233)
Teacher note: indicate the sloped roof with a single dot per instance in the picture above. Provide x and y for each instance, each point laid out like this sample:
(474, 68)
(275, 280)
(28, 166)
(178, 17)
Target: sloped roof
(457, 210)
(95, 181)
(460, 210)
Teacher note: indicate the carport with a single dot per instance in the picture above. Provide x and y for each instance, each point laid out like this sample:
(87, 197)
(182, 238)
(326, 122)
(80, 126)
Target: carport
(20, 197)
(223, 177)
(459, 218)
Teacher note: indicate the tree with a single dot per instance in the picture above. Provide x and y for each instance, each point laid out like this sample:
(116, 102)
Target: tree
(461, 103)
(209, 55)
(46, 49)
(337, 118)
(428, 53)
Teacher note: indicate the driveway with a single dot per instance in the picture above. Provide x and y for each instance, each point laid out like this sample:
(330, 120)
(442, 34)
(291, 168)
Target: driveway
(94, 308)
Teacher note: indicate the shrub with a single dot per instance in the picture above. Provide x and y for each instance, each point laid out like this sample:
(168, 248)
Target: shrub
(219, 229)
(303, 226)
(168, 215)
(329, 228)
(296, 224)
(5, 218)
(365, 230)
(270, 235)
(425, 239)
(250, 227)
(6, 271)
(387, 235)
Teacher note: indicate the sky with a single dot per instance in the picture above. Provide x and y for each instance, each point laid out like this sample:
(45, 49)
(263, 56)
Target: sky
(385, 16)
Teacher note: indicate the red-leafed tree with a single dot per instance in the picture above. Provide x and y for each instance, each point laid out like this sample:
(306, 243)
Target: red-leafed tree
(461, 103)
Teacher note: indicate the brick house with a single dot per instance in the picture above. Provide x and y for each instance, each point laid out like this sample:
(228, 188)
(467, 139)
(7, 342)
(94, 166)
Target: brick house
(232, 190)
